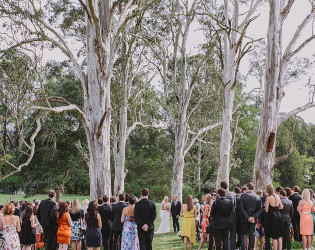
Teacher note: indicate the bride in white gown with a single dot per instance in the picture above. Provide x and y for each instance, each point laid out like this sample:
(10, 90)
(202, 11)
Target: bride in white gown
(165, 216)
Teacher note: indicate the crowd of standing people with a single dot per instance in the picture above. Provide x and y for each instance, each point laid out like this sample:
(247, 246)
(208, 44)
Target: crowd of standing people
(240, 219)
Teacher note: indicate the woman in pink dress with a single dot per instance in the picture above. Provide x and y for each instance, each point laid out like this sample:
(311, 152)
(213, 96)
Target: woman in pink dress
(305, 208)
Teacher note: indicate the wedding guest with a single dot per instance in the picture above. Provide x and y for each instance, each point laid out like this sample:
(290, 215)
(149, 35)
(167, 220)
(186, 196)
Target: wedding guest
(69, 204)
(259, 233)
(65, 224)
(305, 208)
(39, 229)
(17, 210)
(211, 222)
(214, 195)
(202, 204)
(117, 224)
(145, 214)
(175, 211)
(105, 212)
(287, 214)
(130, 240)
(278, 189)
(165, 217)
(112, 200)
(1, 218)
(77, 215)
(85, 205)
(313, 212)
(93, 224)
(99, 202)
(197, 219)
(231, 196)
(250, 206)
(221, 211)
(127, 196)
(238, 215)
(205, 221)
(295, 198)
(27, 236)
(47, 217)
(244, 190)
(189, 213)
(10, 225)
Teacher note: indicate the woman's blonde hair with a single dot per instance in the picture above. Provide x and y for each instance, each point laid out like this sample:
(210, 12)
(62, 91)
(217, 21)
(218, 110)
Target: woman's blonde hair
(270, 189)
(208, 199)
(8, 209)
(306, 195)
(75, 206)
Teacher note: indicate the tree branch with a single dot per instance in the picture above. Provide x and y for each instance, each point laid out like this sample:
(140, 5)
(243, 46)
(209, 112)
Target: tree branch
(200, 132)
(83, 153)
(284, 116)
(135, 124)
(32, 145)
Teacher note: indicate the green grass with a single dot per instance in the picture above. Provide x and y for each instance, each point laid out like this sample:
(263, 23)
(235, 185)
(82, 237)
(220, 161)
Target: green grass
(168, 241)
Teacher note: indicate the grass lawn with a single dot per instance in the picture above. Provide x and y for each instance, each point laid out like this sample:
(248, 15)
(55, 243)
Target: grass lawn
(163, 241)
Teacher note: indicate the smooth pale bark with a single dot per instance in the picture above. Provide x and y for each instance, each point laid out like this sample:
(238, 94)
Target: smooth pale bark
(119, 151)
(276, 68)
(97, 106)
(199, 167)
(264, 160)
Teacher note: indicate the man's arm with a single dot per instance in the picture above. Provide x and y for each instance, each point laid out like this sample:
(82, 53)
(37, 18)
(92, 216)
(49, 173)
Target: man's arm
(38, 213)
(291, 212)
(242, 208)
(258, 209)
(180, 208)
(153, 217)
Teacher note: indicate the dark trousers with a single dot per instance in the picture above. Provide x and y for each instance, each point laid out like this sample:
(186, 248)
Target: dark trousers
(247, 227)
(175, 223)
(296, 228)
(145, 239)
(232, 236)
(221, 236)
(238, 233)
(117, 240)
(286, 238)
(107, 243)
(211, 237)
(267, 243)
(50, 238)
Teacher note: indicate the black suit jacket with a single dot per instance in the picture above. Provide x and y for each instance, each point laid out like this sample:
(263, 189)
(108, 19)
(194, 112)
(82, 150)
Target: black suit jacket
(238, 213)
(220, 212)
(231, 196)
(250, 206)
(47, 214)
(117, 211)
(175, 210)
(145, 213)
(287, 211)
(295, 198)
(106, 214)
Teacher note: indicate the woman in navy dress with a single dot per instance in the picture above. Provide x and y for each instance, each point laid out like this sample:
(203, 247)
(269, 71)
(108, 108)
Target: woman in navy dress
(93, 225)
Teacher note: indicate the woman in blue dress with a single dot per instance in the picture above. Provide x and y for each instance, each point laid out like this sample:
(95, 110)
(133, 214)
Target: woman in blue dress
(129, 239)
(93, 224)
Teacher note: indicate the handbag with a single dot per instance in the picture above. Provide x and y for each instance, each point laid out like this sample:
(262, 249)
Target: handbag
(40, 241)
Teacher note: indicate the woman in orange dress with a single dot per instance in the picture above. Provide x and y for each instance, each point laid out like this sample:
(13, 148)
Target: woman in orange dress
(305, 208)
(205, 221)
(65, 224)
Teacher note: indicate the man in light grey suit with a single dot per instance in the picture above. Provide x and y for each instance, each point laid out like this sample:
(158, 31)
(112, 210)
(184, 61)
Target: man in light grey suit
(287, 215)
(232, 218)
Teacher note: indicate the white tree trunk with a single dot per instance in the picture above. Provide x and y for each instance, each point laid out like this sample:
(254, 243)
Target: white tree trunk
(120, 152)
(97, 106)
(226, 137)
(199, 167)
(179, 157)
(268, 123)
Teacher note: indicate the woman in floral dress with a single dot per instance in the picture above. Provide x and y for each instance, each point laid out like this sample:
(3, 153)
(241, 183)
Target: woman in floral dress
(129, 239)
(10, 224)
(205, 221)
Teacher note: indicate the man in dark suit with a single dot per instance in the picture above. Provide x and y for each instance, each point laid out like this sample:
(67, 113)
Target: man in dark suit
(238, 215)
(230, 196)
(17, 211)
(47, 217)
(105, 212)
(295, 198)
(175, 212)
(117, 225)
(145, 214)
(287, 215)
(220, 211)
(250, 206)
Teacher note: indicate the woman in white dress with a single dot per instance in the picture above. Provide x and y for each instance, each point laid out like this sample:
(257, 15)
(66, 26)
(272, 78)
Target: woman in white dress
(165, 216)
